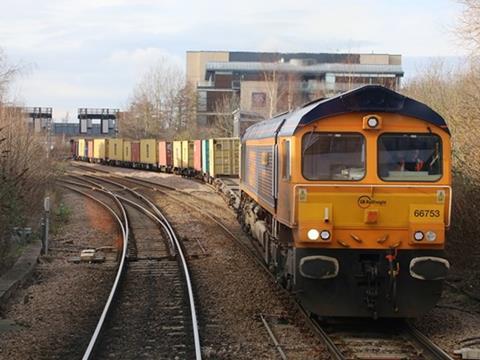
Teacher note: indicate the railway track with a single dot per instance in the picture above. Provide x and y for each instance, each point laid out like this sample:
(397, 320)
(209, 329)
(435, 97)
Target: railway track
(373, 340)
(150, 312)
(359, 340)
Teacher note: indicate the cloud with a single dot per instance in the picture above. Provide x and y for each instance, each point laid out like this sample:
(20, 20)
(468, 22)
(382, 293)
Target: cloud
(92, 52)
(142, 58)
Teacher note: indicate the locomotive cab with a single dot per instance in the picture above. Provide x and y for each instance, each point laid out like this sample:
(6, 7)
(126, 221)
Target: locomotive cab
(349, 199)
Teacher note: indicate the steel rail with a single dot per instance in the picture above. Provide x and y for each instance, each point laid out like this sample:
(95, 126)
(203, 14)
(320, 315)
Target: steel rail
(89, 168)
(121, 267)
(173, 237)
(273, 337)
(433, 348)
(155, 184)
(202, 211)
(136, 194)
(147, 212)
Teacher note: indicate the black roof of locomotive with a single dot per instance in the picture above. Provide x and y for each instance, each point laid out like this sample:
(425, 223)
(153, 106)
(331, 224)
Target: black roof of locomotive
(367, 98)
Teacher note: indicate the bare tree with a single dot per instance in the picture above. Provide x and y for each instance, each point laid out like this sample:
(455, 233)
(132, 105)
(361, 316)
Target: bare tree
(284, 91)
(26, 174)
(161, 105)
(454, 93)
(468, 29)
(7, 73)
(223, 122)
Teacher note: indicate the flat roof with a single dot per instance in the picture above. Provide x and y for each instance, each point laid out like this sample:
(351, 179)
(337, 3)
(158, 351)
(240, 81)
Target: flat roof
(246, 66)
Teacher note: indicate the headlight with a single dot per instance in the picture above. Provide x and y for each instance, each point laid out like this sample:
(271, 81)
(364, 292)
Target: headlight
(313, 234)
(431, 235)
(325, 235)
(418, 235)
(372, 122)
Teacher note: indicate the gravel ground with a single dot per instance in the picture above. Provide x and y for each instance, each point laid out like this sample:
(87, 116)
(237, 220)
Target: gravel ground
(455, 318)
(457, 315)
(55, 314)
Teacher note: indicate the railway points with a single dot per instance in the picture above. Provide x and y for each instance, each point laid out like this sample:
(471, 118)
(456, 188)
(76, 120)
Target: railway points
(148, 258)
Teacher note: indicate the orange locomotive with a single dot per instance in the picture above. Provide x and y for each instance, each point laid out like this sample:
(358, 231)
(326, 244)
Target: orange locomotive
(349, 199)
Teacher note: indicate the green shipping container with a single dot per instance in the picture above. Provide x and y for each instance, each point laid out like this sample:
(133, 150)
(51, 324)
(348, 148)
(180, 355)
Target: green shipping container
(224, 155)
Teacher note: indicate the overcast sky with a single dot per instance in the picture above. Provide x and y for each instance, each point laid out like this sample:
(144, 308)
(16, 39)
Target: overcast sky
(90, 53)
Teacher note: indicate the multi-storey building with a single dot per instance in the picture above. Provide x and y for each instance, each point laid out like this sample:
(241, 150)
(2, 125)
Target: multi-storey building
(269, 83)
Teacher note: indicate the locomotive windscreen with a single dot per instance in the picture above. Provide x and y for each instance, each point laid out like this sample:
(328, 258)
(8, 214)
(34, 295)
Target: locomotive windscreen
(333, 156)
(410, 157)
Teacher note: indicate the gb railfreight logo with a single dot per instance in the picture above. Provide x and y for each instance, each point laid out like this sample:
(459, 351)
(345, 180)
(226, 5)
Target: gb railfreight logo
(365, 201)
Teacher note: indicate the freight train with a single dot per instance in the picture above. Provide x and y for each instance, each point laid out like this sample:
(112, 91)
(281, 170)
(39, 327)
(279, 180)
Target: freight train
(347, 198)
(211, 157)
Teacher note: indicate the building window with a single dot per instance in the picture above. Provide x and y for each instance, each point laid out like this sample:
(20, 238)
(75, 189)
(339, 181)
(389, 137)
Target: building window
(259, 99)
(330, 81)
(202, 120)
(202, 101)
(236, 84)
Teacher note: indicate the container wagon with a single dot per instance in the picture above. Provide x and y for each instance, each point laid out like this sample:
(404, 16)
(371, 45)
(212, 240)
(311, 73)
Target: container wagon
(187, 154)
(100, 150)
(135, 150)
(82, 149)
(165, 156)
(127, 152)
(115, 151)
(90, 150)
(224, 156)
(177, 155)
(197, 156)
(74, 148)
(205, 157)
(148, 153)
